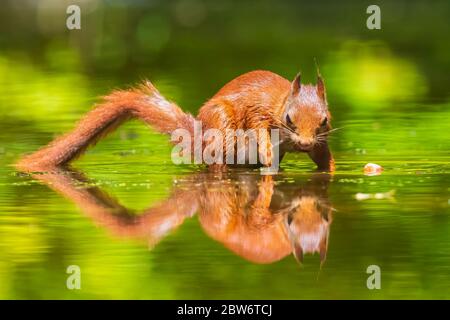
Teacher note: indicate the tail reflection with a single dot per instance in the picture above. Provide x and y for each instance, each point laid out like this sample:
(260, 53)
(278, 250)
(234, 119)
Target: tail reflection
(256, 217)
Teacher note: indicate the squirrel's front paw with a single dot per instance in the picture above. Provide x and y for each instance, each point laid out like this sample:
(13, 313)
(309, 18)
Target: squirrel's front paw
(265, 155)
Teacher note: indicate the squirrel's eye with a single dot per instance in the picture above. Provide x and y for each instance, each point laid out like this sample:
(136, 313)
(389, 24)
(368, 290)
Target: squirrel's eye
(324, 122)
(289, 219)
(289, 121)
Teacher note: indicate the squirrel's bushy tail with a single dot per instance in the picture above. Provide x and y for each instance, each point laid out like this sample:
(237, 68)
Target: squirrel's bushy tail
(144, 102)
(161, 114)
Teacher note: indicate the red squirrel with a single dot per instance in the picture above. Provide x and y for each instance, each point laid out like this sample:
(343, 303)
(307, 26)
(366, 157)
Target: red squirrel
(254, 100)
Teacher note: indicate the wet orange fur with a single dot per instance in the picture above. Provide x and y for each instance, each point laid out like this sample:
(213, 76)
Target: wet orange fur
(255, 100)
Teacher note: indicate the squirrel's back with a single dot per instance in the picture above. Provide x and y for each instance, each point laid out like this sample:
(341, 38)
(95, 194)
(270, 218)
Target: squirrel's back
(256, 91)
(258, 80)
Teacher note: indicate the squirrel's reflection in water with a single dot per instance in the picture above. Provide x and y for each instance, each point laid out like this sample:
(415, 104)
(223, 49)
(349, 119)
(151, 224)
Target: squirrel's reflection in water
(260, 218)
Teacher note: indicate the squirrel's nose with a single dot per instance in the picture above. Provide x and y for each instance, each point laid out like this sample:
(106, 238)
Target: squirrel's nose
(306, 144)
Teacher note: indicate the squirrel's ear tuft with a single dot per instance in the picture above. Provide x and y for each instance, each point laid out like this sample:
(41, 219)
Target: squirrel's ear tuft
(321, 88)
(296, 84)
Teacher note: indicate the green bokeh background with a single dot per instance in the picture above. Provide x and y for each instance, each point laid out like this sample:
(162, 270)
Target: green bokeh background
(388, 90)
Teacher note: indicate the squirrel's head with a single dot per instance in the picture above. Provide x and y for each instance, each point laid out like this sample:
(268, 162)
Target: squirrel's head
(308, 227)
(306, 117)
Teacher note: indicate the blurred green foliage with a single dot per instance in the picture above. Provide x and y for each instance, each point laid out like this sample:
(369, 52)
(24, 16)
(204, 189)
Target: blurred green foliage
(387, 89)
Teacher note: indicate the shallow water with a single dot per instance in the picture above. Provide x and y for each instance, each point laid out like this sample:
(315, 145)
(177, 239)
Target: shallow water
(140, 227)
(49, 223)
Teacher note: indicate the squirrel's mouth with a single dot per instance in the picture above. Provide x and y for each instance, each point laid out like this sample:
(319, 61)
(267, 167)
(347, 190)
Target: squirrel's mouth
(306, 148)
(302, 144)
